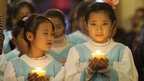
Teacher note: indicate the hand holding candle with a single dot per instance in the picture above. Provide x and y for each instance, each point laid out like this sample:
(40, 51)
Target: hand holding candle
(98, 61)
(39, 71)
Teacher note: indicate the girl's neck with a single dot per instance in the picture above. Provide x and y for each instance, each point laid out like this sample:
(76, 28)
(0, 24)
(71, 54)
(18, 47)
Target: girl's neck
(61, 41)
(101, 44)
(33, 53)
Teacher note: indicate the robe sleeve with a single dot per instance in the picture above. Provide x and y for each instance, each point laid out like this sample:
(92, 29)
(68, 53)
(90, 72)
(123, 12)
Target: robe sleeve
(9, 74)
(73, 70)
(61, 75)
(126, 68)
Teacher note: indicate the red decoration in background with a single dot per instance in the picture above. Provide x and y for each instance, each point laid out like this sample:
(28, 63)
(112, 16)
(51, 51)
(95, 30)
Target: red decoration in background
(113, 3)
(64, 5)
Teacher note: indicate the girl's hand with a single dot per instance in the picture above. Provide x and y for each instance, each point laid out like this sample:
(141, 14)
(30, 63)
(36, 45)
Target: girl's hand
(103, 63)
(32, 77)
(36, 77)
(96, 64)
(92, 65)
(43, 78)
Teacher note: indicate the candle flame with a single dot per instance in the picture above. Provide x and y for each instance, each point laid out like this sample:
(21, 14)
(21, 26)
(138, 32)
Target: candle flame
(99, 54)
(39, 71)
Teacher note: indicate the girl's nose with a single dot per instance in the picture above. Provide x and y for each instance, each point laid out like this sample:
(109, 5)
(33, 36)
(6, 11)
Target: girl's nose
(99, 27)
(50, 37)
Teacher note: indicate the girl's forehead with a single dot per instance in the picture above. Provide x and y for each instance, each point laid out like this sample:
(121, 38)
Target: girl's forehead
(97, 16)
(45, 26)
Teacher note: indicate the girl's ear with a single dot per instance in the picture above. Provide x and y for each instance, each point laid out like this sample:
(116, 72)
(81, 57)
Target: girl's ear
(114, 29)
(114, 25)
(86, 25)
(30, 36)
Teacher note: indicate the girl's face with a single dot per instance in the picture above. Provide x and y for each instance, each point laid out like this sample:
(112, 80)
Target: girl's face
(20, 43)
(44, 36)
(24, 11)
(82, 25)
(99, 26)
(59, 27)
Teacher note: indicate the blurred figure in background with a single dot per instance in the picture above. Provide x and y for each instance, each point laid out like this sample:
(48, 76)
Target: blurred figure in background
(134, 39)
(139, 53)
(21, 46)
(15, 12)
(77, 25)
(62, 42)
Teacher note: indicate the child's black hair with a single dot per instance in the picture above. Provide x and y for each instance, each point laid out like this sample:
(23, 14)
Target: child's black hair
(32, 23)
(81, 8)
(97, 7)
(18, 27)
(56, 13)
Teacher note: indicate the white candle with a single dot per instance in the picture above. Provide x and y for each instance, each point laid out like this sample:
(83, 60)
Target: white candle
(98, 54)
(39, 71)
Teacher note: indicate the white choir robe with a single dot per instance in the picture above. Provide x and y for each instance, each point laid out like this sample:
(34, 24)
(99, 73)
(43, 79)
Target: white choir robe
(18, 69)
(124, 68)
(2, 61)
(5, 58)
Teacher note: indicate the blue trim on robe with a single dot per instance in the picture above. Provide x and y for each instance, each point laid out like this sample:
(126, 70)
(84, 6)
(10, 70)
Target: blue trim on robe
(8, 37)
(11, 55)
(61, 55)
(72, 40)
(75, 39)
(22, 69)
(115, 54)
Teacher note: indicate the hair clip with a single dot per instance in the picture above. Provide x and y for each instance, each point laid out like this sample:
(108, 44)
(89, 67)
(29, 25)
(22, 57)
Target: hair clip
(49, 19)
(25, 18)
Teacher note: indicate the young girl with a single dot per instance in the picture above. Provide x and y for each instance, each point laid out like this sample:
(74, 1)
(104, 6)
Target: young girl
(117, 65)
(77, 26)
(20, 43)
(38, 33)
(62, 42)
(18, 40)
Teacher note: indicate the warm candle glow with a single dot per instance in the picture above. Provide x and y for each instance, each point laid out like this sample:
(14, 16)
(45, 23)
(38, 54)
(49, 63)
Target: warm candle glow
(99, 54)
(39, 71)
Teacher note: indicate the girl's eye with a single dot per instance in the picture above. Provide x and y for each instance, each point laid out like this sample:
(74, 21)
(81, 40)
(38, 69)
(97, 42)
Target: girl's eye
(105, 23)
(93, 24)
(45, 33)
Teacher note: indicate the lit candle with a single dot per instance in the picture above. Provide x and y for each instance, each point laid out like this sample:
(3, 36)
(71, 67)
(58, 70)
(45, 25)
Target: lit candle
(39, 71)
(99, 54)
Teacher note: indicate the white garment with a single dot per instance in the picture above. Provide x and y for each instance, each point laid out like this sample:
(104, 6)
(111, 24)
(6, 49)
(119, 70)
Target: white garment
(4, 60)
(9, 74)
(126, 68)
(61, 75)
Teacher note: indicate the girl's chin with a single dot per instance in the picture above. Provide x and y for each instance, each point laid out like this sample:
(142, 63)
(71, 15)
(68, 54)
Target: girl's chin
(48, 49)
